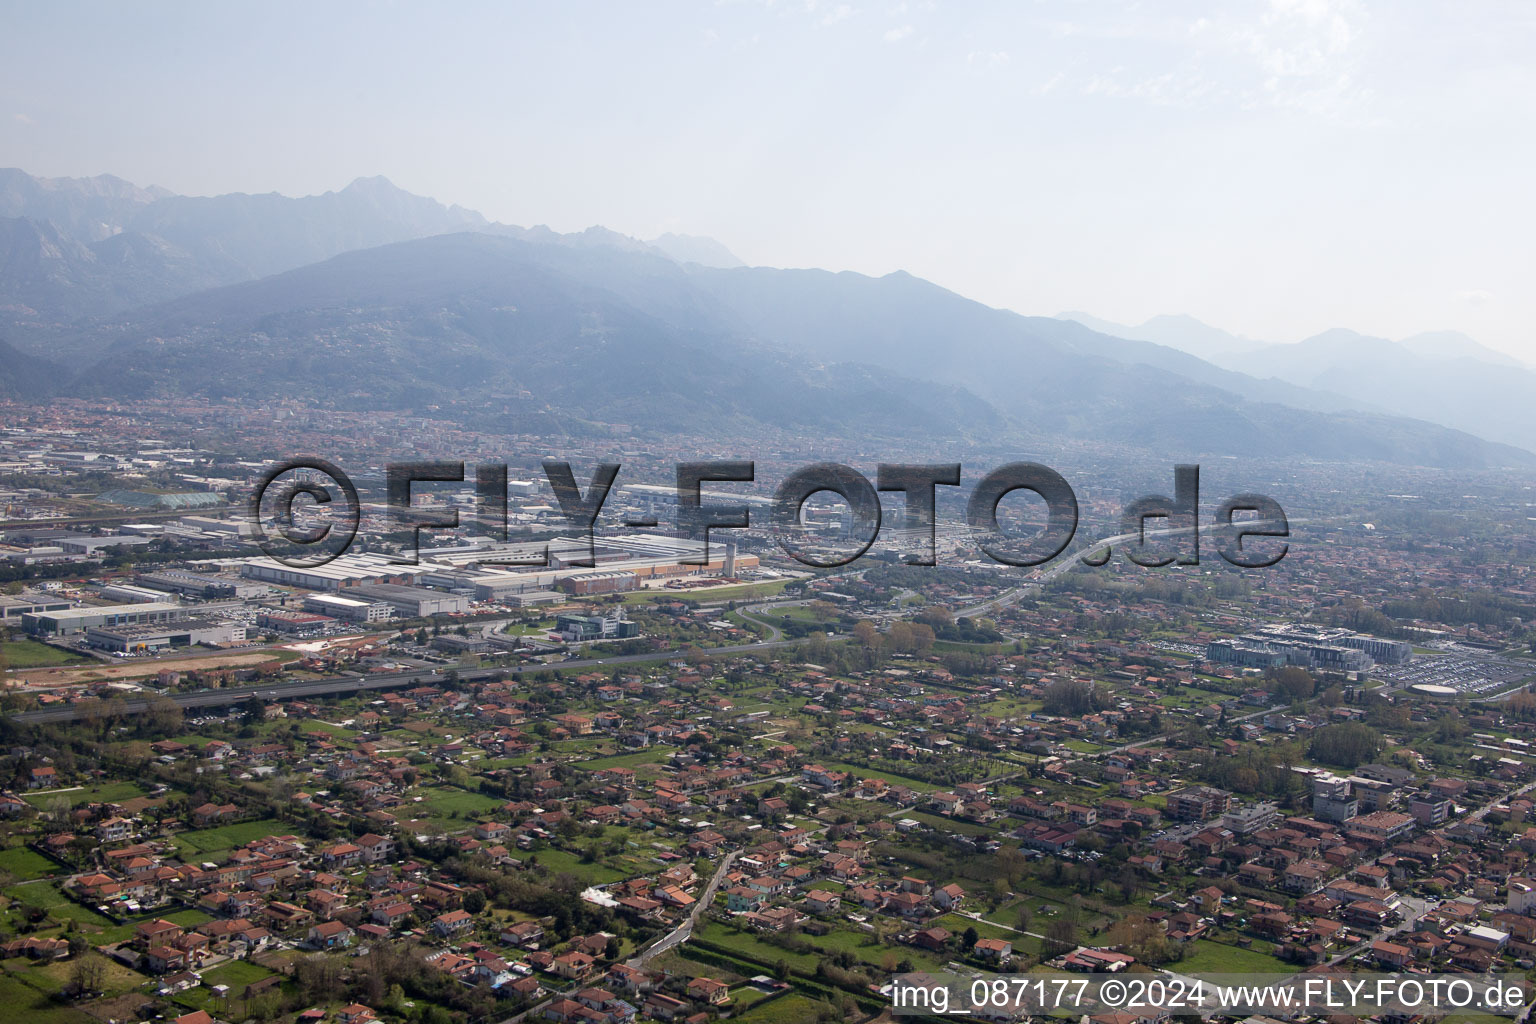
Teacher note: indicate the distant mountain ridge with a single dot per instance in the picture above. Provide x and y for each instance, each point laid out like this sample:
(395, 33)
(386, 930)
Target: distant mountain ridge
(1443, 376)
(528, 329)
(79, 247)
(1176, 330)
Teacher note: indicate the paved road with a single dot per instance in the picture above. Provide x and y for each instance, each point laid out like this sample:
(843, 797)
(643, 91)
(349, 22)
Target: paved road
(383, 681)
(750, 613)
(1068, 561)
(682, 932)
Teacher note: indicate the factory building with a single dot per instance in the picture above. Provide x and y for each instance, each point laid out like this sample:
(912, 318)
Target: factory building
(340, 574)
(197, 584)
(125, 594)
(72, 621)
(231, 528)
(30, 602)
(587, 584)
(130, 639)
(80, 544)
(532, 598)
(352, 609)
(412, 602)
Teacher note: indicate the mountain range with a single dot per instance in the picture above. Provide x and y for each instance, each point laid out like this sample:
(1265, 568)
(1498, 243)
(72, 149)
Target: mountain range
(1442, 376)
(371, 296)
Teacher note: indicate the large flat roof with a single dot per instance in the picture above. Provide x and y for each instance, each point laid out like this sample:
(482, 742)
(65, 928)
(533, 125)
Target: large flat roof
(70, 614)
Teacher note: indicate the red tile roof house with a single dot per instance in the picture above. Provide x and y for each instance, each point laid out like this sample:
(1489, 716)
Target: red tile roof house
(948, 897)
(573, 965)
(526, 934)
(162, 959)
(999, 951)
(931, 938)
(156, 932)
(452, 923)
(329, 935)
(392, 914)
(708, 990)
(664, 1007)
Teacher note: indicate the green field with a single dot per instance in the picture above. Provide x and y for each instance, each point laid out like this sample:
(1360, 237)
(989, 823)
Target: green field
(751, 947)
(1208, 956)
(32, 1004)
(445, 801)
(199, 843)
(891, 777)
(640, 757)
(23, 864)
(339, 732)
(104, 793)
(31, 654)
(598, 872)
(944, 824)
(37, 894)
(793, 1008)
(236, 974)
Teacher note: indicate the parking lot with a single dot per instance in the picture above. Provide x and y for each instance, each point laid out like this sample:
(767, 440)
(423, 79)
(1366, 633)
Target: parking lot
(1469, 674)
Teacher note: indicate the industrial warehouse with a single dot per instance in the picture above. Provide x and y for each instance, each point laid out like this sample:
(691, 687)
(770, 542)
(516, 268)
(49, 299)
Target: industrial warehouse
(219, 602)
(500, 572)
(181, 633)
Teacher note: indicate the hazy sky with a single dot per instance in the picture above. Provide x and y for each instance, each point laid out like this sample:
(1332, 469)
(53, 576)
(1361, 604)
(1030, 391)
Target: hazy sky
(1275, 167)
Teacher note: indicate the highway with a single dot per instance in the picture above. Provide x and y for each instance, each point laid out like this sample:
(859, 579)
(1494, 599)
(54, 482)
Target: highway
(1066, 562)
(355, 683)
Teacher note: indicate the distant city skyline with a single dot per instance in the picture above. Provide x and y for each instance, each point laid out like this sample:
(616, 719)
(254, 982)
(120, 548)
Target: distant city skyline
(1274, 169)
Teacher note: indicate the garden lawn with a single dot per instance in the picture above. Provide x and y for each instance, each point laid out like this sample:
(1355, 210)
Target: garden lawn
(24, 1002)
(1208, 956)
(199, 843)
(23, 864)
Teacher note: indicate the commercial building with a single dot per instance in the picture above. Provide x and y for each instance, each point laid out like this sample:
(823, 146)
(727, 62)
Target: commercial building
(30, 602)
(346, 571)
(72, 621)
(196, 584)
(352, 609)
(126, 594)
(587, 584)
(594, 627)
(231, 528)
(1307, 646)
(451, 644)
(81, 544)
(292, 622)
(534, 597)
(152, 637)
(412, 602)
